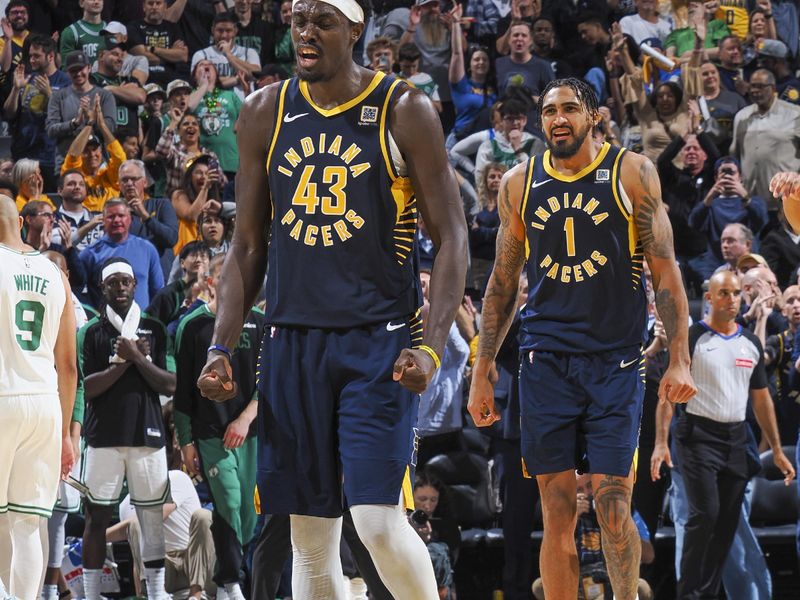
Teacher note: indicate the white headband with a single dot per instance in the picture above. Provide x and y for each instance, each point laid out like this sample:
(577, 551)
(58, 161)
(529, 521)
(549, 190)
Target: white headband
(349, 9)
(115, 268)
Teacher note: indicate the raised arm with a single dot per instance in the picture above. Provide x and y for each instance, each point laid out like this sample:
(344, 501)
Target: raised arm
(501, 296)
(786, 186)
(640, 180)
(456, 70)
(246, 262)
(438, 199)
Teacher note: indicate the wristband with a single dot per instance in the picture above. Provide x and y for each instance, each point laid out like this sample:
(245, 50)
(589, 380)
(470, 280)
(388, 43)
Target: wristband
(220, 348)
(432, 353)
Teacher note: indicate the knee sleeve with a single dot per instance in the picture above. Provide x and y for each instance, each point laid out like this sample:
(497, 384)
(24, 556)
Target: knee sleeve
(316, 565)
(400, 556)
(55, 539)
(151, 524)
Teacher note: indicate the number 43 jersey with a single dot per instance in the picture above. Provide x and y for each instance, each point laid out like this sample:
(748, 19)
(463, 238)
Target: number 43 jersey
(344, 219)
(585, 281)
(32, 299)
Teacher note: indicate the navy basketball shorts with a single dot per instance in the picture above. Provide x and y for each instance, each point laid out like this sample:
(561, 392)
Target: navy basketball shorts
(335, 430)
(581, 410)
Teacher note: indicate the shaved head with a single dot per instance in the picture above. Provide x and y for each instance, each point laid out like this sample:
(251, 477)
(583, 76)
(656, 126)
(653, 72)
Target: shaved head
(8, 208)
(724, 279)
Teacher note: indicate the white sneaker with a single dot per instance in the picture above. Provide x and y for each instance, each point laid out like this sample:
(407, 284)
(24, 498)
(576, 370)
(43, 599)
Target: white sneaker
(234, 591)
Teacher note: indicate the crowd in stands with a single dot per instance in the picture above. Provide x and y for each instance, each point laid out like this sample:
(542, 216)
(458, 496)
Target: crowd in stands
(120, 121)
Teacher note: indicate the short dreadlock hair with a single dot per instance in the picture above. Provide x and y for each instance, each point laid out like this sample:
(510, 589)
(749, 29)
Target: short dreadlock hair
(583, 91)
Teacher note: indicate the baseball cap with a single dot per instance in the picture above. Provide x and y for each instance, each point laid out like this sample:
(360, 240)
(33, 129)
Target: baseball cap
(154, 88)
(424, 2)
(75, 59)
(93, 141)
(773, 48)
(759, 260)
(177, 84)
(114, 28)
(112, 42)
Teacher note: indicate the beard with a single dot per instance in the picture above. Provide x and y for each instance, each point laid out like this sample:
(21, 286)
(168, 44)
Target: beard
(568, 149)
(432, 32)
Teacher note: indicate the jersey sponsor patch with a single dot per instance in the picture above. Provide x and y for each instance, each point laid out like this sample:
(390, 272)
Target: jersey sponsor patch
(744, 362)
(369, 114)
(153, 432)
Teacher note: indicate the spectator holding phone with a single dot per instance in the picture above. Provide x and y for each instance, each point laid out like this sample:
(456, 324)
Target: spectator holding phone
(176, 155)
(199, 193)
(382, 54)
(728, 201)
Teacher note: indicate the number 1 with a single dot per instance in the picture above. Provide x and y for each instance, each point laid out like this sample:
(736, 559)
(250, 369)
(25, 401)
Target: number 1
(569, 229)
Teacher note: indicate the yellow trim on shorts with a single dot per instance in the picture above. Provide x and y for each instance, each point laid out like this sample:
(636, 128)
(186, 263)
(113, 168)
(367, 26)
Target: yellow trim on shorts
(408, 490)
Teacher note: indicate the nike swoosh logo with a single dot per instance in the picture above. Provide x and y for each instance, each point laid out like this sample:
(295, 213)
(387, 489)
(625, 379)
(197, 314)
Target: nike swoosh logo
(536, 184)
(287, 118)
(391, 326)
(624, 365)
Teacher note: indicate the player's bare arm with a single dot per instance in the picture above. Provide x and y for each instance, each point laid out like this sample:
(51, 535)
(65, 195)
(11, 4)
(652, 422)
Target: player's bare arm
(243, 272)
(786, 186)
(501, 295)
(65, 355)
(414, 119)
(640, 180)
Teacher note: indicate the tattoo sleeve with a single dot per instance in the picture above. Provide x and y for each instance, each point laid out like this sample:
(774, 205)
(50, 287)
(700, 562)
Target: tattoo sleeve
(501, 293)
(655, 232)
(655, 235)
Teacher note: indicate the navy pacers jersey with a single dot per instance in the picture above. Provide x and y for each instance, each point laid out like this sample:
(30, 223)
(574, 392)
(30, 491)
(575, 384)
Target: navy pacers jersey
(586, 285)
(344, 219)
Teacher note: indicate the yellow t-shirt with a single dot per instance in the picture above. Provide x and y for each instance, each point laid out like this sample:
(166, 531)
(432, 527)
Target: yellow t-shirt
(22, 201)
(104, 185)
(734, 14)
(187, 232)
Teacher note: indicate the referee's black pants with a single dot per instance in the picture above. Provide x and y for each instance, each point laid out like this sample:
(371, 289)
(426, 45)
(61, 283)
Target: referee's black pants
(713, 460)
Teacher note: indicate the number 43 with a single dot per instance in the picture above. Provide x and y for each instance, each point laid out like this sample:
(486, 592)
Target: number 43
(306, 192)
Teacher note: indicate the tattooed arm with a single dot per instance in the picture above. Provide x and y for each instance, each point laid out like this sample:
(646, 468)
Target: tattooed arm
(640, 180)
(501, 296)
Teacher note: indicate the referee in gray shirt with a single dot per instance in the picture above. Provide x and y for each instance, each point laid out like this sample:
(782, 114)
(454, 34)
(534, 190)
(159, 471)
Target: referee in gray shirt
(711, 435)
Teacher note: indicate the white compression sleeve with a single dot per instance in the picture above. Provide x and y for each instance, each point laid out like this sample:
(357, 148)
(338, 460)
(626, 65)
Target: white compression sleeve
(56, 538)
(400, 555)
(151, 524)
(317, 565)
(27, 560)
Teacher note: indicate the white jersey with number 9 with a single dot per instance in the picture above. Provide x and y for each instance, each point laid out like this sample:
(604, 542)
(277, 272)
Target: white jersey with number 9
(32, 298)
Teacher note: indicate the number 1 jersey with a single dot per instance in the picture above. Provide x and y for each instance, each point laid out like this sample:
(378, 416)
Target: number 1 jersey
(343, 217)
(584, 260)
(32, 298)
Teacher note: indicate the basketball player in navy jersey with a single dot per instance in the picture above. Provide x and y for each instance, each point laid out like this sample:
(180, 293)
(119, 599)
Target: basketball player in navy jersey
(351, 156)
(584, 217)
